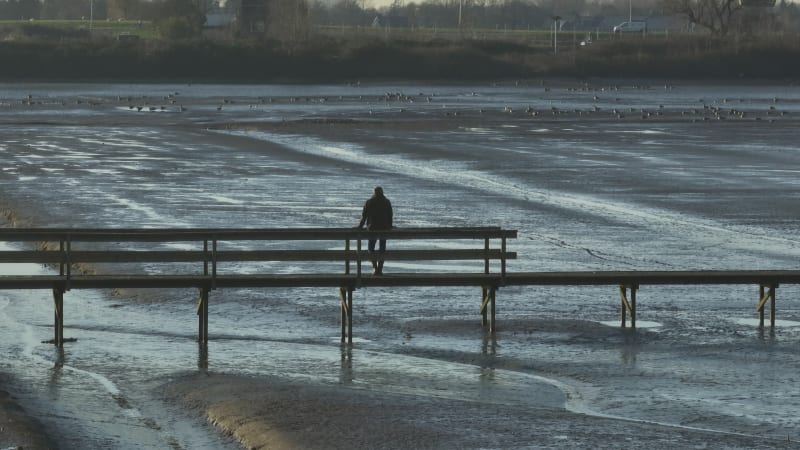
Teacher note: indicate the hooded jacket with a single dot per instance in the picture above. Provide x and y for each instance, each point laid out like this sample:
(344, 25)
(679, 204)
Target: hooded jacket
(377, 213)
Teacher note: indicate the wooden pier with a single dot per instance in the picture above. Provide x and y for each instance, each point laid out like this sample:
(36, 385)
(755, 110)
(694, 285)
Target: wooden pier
(630, 281)
(206, 265)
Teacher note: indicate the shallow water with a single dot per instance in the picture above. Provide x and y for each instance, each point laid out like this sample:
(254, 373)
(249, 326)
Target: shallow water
(588, 188)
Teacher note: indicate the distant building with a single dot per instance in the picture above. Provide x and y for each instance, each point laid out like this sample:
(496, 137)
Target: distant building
(219, 19)
(252, 16)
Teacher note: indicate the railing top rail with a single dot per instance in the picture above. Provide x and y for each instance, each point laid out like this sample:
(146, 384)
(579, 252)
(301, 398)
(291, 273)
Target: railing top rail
(243, 234)
(222, 256)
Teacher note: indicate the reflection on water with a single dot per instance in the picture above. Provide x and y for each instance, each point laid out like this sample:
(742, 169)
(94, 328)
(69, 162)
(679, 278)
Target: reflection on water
(346, 374)
(630, 348)
(489, 346)
(202, 356)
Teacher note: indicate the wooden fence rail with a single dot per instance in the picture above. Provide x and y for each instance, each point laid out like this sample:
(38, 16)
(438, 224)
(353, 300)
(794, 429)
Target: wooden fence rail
(72, 250)
(205, 265)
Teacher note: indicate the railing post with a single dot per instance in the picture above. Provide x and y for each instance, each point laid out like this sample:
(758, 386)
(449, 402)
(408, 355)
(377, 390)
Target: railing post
(214, 263)
(62, 249)
(486, 255)
(205, 257)
(347, 257)
(503, 260)
(358, 262)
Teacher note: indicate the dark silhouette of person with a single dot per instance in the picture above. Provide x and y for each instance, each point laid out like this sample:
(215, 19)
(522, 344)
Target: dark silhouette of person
(377, 216)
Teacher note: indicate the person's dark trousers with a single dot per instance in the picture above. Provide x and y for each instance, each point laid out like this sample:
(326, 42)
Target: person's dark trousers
(377, 264)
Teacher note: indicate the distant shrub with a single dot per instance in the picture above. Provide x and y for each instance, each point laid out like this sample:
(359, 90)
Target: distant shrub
(35, 31)
(363, 57)
(177, 28)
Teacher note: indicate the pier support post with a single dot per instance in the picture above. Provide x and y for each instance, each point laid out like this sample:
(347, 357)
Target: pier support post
(484, 297)
(765, 293)
(628, 305)
(772, 306)
(58, 326)
(488, 307)
(346, 297)
(202, 313)
(493, 322)
(343, 308)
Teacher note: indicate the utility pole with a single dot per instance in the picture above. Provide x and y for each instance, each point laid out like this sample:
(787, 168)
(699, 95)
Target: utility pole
(555, 34)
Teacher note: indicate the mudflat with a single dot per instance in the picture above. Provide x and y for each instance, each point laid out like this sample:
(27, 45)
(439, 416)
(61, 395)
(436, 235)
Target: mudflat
(17, 429)
(594, 180)
(264, 412)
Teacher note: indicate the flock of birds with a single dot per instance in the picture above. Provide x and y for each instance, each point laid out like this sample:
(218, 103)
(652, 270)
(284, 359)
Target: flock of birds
(603, 103)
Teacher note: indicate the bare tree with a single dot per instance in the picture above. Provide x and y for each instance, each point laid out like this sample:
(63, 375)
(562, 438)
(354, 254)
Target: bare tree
(121, 9)
(288, 22)
(715, 15)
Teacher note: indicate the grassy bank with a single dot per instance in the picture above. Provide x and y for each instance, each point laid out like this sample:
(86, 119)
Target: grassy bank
(345, 58)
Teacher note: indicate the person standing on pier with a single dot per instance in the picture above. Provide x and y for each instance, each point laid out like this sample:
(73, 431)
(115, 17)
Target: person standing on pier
(377, 216)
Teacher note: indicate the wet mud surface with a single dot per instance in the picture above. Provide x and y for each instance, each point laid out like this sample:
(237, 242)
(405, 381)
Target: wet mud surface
(594, 177)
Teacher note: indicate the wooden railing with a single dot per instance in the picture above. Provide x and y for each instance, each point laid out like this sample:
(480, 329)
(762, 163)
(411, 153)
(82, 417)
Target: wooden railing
(209, 262)
(629, 283)
(102, 258)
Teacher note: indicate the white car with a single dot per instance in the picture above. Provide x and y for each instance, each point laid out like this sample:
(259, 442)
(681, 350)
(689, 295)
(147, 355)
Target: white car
(631, 27)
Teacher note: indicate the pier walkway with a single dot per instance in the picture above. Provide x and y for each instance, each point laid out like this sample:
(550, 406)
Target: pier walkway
(209, 259)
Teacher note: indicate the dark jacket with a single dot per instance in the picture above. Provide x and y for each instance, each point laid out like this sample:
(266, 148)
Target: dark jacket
(377, 213)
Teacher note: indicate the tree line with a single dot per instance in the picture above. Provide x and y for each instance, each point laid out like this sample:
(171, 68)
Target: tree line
(186, 18)
(717, 17)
